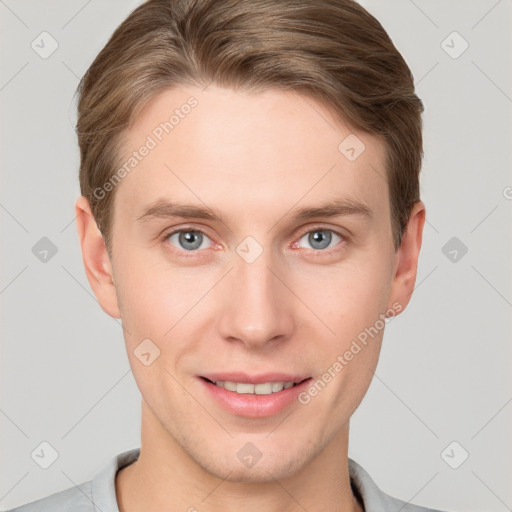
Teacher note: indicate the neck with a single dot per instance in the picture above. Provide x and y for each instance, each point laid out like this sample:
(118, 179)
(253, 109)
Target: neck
(165, 477)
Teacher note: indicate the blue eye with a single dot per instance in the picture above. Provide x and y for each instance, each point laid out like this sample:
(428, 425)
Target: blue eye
(188, 239)
(191, 240)
(320, 239)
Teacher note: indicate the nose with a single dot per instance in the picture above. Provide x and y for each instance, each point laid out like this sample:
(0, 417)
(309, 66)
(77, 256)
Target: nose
(256, 308)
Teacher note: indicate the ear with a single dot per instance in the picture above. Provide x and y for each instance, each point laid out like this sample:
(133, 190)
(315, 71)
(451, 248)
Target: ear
(406, 262)
(95, 257)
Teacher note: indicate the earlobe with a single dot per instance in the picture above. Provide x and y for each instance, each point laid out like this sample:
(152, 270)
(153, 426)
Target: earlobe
(404, 276)
(98, 267)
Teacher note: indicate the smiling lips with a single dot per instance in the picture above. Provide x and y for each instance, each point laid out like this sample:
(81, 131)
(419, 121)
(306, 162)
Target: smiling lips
(254, 396)
(263, 384)
(264, 388)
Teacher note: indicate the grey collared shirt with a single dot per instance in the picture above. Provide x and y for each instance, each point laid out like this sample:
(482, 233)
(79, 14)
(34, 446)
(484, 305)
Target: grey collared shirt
(99, 494)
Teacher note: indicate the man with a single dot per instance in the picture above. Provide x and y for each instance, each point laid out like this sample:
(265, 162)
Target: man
(250, 209)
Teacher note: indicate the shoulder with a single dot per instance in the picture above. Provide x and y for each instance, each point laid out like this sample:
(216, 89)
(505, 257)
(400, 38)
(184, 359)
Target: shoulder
(96, 494)
(73, 499)
(373, 498)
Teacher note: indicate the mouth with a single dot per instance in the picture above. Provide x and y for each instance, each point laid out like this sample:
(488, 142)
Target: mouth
(253, 396)
(261, 388)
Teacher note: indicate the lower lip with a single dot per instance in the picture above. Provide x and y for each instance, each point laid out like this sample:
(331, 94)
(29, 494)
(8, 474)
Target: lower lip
(252, 405)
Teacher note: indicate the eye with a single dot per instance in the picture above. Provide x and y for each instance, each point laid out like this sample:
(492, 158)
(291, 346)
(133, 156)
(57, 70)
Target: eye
(320, 238)
(188, 239)
(191, 240)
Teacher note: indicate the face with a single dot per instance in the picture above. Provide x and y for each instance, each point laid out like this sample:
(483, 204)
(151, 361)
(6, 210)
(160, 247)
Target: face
(252, 248)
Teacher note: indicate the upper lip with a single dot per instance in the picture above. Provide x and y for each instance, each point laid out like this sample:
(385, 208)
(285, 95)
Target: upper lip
(254, 379)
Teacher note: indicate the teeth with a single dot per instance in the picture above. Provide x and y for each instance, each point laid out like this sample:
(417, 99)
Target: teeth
(265, 388)
(277, 386)
(245, 388)
(230, 386)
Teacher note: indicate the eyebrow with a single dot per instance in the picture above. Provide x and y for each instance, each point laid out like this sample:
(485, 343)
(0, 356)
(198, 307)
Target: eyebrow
(163, 209)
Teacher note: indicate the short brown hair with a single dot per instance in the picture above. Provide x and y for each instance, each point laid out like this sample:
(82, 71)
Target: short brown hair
(331, 50)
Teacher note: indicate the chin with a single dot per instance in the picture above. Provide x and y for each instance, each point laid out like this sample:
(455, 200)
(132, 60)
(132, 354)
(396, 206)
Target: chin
(276, 465)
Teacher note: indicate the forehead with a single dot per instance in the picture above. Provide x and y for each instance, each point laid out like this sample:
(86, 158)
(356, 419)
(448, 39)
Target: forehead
(246, 152)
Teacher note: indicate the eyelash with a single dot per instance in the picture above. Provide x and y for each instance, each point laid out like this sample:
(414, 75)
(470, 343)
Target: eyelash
(187, 254)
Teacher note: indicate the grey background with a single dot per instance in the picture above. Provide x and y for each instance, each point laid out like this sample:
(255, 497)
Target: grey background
(445, 369)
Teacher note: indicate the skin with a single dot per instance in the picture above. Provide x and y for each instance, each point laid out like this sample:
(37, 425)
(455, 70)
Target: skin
(255, 158)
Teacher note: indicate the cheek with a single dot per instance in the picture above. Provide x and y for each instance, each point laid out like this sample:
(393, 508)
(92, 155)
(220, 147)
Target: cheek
(155, 306)
(154, 298)
(350, 298)
(359, 325)
(351, 303)
(160, 304)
